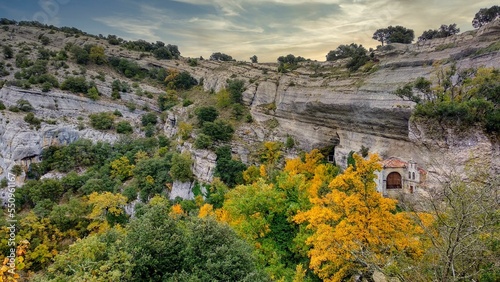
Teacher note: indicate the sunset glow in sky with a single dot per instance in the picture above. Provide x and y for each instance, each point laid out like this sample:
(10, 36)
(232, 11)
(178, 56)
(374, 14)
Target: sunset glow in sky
(266, 28)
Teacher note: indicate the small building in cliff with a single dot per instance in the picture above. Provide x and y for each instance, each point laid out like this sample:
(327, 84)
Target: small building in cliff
(398, 176)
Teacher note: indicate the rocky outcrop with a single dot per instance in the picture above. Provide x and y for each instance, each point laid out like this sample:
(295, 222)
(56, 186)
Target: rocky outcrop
(182, 190)
(22, 144)
(319, 104)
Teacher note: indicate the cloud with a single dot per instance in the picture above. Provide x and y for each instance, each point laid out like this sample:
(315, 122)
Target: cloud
(271, 28)
(136, 28)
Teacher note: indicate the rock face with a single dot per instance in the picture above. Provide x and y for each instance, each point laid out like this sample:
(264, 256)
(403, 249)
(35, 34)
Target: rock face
(319, 104)
(182, 190)
(22, 144)
(331, 107)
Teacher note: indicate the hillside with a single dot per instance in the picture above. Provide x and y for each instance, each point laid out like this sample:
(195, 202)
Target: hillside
(124, 161)
(318, 104)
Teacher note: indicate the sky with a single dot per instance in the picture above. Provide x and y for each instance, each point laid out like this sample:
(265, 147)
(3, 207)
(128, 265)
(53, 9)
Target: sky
(241, 29)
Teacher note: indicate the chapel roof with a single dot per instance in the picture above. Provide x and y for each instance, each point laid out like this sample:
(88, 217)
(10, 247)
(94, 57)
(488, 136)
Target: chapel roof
(394, 162)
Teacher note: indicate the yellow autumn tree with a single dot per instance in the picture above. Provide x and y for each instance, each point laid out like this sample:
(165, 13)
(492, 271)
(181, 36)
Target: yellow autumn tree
(262, 213)
(9, 269)
(121, 168)
(306, 166)
(206, 210)
(107, 209)
(355, 229)
(177, 210)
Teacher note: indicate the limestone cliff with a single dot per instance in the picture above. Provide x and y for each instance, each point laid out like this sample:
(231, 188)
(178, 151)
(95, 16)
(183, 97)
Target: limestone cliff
(319, 104)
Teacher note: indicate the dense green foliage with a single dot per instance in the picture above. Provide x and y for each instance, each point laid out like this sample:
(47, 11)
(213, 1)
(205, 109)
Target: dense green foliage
(151, 175)
(443, 31)
(394, 34)
(472, 100)
(75, 84)
(159, 49)
(205, 114)
(219, 130)
(149, 119)
(124, 127)
(80, 54)
(485, 15)
(182, 80)
(164, 248)
(181, 167)
(298, 220)
(236, 88)
(31, 119)
(289, 62)
(102, 121)
(203, 141)
(357, 54)
(218, 56)
(126, 67)
(230, 171)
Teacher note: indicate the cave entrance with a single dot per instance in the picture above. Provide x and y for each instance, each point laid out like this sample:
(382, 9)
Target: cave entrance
(330, 150)
(331, 155)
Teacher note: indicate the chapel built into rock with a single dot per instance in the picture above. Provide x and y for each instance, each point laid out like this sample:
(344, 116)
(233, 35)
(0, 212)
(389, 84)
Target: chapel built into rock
(398, 176)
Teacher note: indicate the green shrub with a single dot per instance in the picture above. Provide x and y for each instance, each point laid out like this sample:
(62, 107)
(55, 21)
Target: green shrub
(131, 106)
(289, 142)
(128, 68)
(102, 121)
(46, 86)
(8, 53)
(14, 109)
(45, 40)
(22, 61)
(203, 141)
(230, 171)
(249, 118)
(17, 170)
(223, 98)
(185, 130)
(75, 84)
(218, 130)
(149, 119)
(238, 110)
(206, 114)
(181, 167)
(186, 102)
(31, 119)
(192, 62)
(124, 127)
(121, 86)
(167, 100)
(236, 88)
(149, 130)
(130, 192)
(93, 93)
(81, 55)
(2, 106)
(115, 94)
(182, 80)
(158, 170)
(24, 105)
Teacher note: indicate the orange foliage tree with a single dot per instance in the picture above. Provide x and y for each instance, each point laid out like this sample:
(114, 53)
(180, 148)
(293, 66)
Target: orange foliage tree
(262, 212)
(355, 229)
